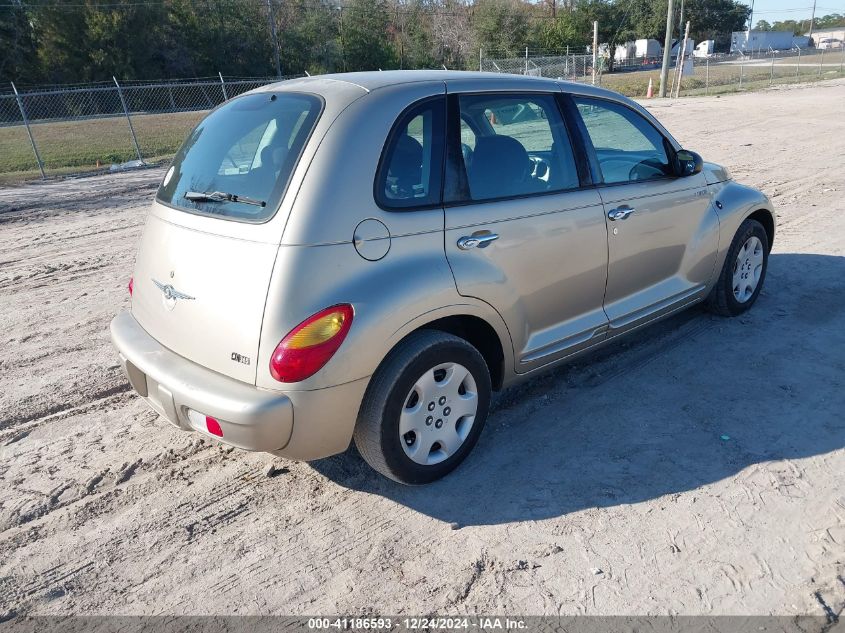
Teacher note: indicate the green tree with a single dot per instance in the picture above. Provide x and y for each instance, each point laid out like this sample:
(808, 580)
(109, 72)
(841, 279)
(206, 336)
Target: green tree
(501, 26)
(364, 35)
(709, 19)
(716, 20)
(413, 35)
(19, 60)
(830, 21)
(308, 37)
(791, 25)
(570, 30)
(762, 25)
(62, 43)
(114, 45)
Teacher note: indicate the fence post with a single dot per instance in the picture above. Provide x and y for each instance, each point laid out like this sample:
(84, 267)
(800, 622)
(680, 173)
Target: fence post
(741, 68)
(480, 53)
(707, 76)
(223, 85)
(28, 130)
(595, 49)
(128, 119)
(772, 72)
(820, 63)
(798, 65)
(526, 60)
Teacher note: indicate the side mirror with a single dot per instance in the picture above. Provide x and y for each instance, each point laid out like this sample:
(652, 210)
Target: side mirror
(687, 163)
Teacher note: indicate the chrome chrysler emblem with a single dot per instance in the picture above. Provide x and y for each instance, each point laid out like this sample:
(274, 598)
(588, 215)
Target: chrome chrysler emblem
(170, 295)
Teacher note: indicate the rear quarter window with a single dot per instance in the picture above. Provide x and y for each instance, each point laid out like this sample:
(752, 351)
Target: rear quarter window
(236, 164)
(410, 170)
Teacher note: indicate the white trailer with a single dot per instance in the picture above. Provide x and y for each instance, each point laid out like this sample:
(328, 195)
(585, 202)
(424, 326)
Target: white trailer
(648, 48)
(753, 41)
(639, 49)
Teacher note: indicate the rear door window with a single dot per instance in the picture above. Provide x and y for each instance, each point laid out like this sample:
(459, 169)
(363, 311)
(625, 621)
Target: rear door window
(237, 162)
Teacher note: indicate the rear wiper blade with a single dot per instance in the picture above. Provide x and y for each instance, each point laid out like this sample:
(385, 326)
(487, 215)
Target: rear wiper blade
(221, 196)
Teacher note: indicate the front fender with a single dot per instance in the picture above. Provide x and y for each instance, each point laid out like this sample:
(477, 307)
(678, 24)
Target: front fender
(734, 203)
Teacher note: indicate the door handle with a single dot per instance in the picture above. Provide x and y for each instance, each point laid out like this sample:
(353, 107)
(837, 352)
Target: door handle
(476, 240)
(620, 213)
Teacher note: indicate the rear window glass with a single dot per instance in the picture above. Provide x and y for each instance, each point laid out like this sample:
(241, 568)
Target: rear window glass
(237, 162)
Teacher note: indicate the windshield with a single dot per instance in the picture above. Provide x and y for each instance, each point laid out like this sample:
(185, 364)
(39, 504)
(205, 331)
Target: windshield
(237, 162)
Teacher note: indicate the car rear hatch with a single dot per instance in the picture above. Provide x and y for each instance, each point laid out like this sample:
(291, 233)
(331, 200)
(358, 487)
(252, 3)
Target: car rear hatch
(210, 242)
(202, 295)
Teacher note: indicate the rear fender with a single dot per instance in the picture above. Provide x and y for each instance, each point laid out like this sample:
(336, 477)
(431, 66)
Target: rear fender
(410, 287)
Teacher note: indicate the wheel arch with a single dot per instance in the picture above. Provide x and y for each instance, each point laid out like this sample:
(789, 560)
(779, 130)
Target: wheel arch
(765, 217)
(481, 335)
(487, 333)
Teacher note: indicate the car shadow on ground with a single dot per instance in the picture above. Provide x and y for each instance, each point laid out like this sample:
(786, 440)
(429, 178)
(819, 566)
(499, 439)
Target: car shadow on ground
(684, 403)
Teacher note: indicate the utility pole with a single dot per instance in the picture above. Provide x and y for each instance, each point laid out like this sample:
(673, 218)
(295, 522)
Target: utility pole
(272, 19)
(681, 59)
(667, 50)
(681, 19)
(676, 75)
(596, 48)
(812, 20)
(750, 21)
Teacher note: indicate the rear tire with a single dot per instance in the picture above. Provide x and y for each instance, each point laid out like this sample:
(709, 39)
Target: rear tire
(424, 408)
(743, 272)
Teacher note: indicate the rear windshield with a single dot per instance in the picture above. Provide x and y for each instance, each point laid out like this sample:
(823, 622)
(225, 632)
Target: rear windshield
(237, 162)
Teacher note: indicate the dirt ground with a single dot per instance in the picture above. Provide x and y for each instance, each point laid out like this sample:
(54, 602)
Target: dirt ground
(695, 469)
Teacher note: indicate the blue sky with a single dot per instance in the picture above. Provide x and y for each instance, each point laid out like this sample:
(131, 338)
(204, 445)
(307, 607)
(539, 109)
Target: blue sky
(774, 10)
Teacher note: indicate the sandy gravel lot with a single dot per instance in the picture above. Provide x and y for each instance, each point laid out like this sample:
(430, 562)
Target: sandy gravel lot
(602, 488)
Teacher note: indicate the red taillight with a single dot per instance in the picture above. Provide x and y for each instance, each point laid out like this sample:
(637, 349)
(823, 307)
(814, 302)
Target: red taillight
(131, 285)
(311, 344)
(213, 426)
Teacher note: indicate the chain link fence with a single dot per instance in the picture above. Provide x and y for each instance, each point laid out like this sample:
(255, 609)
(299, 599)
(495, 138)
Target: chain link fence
(80, 129)
(708, 75)
(571, 67)
(97, 127)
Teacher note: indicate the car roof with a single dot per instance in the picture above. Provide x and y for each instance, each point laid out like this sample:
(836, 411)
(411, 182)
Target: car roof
(344, 88)
(370, 81)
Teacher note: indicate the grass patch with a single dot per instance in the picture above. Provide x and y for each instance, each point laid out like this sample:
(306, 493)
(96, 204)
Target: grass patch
(77, 146)
(721, 78)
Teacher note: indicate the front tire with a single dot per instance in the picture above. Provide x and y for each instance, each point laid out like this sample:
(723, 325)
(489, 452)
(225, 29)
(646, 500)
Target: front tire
(424, 408)
(743, 273)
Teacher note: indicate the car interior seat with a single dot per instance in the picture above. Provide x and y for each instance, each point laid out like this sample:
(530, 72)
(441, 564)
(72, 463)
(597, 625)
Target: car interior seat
(501, 167)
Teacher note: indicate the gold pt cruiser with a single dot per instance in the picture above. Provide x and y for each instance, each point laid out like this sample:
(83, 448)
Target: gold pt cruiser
(367, 256)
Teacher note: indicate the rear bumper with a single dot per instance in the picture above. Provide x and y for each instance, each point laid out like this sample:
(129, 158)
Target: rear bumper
(250, 418)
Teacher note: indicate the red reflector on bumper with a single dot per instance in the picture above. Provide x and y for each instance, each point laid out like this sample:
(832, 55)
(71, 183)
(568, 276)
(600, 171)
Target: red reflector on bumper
(213, 426)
